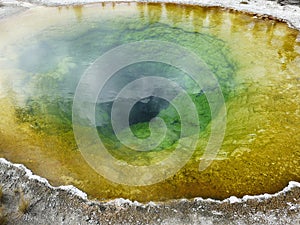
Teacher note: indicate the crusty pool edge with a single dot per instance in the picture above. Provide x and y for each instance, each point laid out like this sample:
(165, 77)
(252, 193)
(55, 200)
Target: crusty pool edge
(68, 205)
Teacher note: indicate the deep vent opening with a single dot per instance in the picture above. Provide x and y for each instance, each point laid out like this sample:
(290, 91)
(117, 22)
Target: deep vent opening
(142, 111)
(146, 109)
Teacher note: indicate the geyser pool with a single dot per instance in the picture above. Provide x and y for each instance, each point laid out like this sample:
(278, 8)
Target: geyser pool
(45, 51)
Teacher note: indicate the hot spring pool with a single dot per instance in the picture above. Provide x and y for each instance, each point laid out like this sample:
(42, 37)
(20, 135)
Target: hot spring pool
(45, 51)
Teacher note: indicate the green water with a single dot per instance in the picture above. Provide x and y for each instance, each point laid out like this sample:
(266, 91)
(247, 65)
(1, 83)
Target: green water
(255, 62)
(54, 64)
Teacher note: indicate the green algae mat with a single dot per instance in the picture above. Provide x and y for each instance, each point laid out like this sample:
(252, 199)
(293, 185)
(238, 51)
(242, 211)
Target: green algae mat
(45, 53)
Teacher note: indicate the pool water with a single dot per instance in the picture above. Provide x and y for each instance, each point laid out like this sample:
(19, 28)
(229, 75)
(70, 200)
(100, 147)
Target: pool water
(45, 51)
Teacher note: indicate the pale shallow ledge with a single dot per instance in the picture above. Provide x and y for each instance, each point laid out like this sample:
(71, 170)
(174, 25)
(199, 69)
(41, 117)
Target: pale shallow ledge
(284, 11)
(68, 205)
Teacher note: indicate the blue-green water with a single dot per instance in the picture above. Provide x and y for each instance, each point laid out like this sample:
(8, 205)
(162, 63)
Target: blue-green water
(255, 62)
(55, 63)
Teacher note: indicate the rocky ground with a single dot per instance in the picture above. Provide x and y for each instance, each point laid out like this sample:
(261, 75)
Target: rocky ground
(29, 199)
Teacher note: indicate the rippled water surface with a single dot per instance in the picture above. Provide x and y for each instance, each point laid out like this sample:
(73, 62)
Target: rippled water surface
(45, 51)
